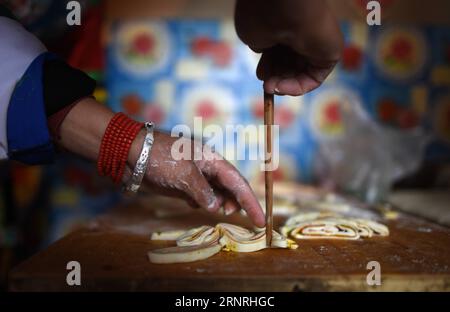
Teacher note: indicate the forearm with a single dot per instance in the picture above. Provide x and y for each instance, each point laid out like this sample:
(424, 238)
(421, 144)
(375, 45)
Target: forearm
(82, 130)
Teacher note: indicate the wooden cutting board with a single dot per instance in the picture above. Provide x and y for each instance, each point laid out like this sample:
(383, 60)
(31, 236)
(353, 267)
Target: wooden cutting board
(112, 252)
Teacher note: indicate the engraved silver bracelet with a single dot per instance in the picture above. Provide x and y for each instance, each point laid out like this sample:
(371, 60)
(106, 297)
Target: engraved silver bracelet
(136, 178)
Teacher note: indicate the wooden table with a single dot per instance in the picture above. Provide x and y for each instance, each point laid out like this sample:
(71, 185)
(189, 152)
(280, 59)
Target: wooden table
(112, 252)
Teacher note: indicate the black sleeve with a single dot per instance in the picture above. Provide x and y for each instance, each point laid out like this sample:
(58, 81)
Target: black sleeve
(64, 85)
(7, 13)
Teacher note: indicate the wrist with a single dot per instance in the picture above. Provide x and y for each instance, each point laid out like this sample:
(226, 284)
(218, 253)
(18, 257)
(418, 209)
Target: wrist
(140, 169)
(115, 146)
(136, 148)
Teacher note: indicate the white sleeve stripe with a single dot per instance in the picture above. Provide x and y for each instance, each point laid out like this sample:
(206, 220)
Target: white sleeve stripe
(18, 48)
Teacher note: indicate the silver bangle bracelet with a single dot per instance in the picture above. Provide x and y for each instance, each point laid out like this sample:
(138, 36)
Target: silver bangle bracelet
(133, 184)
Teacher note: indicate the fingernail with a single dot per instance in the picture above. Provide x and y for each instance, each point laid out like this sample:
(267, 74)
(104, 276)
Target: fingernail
(276, 91)
(212, 203)
(228, 212)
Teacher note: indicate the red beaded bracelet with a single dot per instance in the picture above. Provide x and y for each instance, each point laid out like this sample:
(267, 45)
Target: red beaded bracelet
(115, 146)
(132, 131)
(126, 137)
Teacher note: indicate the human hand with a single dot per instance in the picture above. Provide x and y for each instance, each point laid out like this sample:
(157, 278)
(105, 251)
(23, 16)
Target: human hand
(300, 42)
(210, 182)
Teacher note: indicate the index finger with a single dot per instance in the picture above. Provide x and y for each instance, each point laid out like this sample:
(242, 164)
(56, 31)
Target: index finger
(229, 178)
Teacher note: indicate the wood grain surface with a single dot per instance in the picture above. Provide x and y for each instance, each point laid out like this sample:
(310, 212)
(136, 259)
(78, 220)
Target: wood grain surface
(112, 252)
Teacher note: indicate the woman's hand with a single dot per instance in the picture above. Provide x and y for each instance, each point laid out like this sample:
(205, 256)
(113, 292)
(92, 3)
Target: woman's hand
(300, 42)
(209, 182)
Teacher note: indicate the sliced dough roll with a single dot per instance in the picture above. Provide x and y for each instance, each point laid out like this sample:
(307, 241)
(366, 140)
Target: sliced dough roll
(377, 228)
(181, 254)
(203, 242)
(198, 236)
(324, 229)
(167, 235)
(320, 226)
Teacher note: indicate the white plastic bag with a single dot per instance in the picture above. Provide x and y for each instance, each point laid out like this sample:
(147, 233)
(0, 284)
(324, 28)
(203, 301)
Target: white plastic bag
(368, 157)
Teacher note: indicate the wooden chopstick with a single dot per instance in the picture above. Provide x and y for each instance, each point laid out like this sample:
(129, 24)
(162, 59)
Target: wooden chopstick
(268, 175)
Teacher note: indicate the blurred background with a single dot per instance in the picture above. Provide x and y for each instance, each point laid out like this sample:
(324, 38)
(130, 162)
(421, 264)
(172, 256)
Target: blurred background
(379, 124)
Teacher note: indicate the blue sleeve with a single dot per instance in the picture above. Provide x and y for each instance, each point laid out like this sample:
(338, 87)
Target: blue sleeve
(27, 133)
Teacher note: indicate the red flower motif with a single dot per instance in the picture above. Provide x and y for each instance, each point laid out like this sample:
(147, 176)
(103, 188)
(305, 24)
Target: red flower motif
(154, 113)
(352, 58)
(206, 109)
(401, 49)
(201, 46)
(407, 119)
(220, 52)
(284, 116)
(143, 44)
(332, 113)
(131, 104)
(258, 108)
(387, 110)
